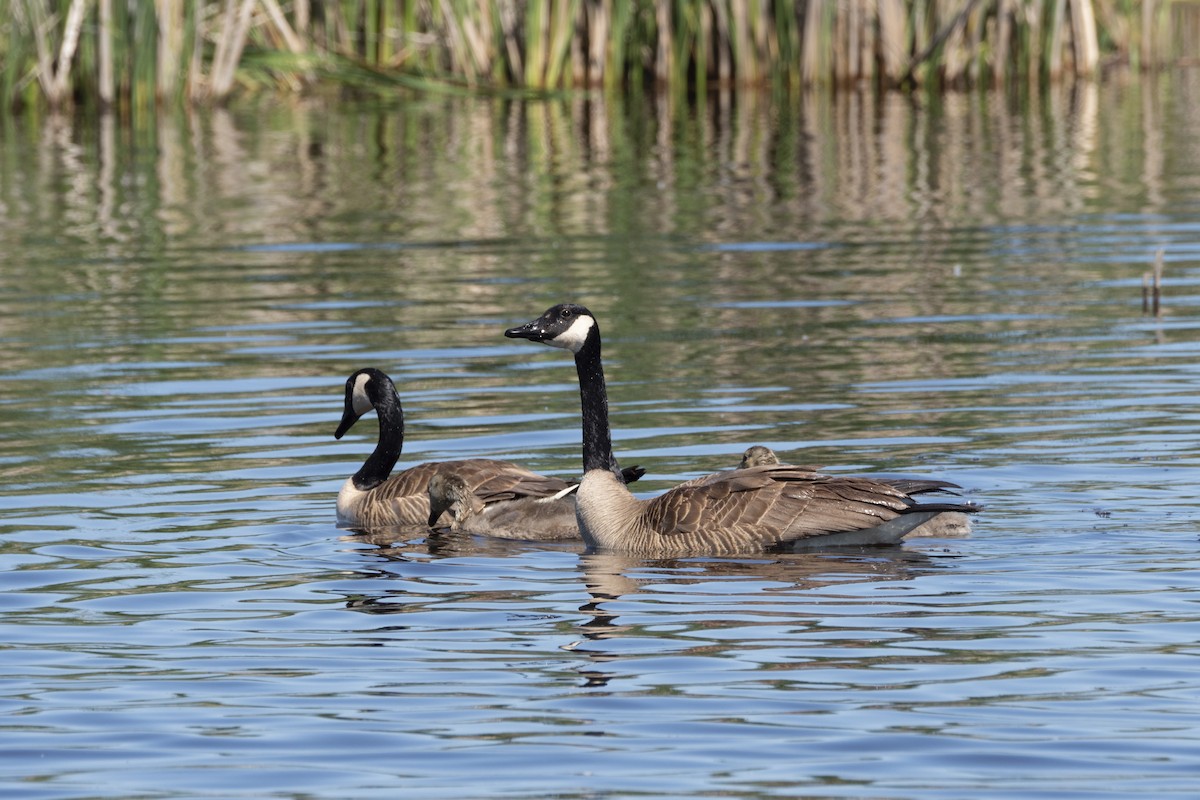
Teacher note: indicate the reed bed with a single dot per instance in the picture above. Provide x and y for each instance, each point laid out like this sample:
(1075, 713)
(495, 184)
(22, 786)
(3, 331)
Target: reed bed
(138, 53)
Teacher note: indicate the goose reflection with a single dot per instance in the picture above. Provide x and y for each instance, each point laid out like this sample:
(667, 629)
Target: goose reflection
(612, 578)
(627, 598)
(403, 543)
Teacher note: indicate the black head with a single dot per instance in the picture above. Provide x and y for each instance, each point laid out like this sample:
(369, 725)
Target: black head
(363, 390)
(567, 325)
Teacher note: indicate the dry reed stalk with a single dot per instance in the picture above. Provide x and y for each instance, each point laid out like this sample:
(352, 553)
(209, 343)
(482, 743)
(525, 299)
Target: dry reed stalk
(1158, 275)
(295, 44)
(761, 30)
(869, 46)
(662, 54)
(195, 79)
(471, 42)
(810, 42)
(745, 60)
(55, 80)
(970, 38)
(599, 15)
(615, 67)
(537, 31)
(561, 29)
(1087, 44)
(385, 51)
(952, 28)
(106, 87)
(853, 24)
(232, 39)
(1054, 50)
(1032, 37)
(1146, 58)
(294, 80)
(1003, 37)
(40, 28)
(302, 14)
(509, 27)
(892, 40)
(1152, 285)
(479, 35)
(460, 54)
(841, 58)
(170, 45)
(341, 29)
(66, 53)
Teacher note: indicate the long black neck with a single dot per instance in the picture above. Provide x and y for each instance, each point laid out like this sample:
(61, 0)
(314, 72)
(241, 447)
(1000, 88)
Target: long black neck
(593, 395)
(378, 465)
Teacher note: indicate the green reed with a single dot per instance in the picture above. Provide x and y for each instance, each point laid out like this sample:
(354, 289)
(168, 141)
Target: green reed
(107, 52)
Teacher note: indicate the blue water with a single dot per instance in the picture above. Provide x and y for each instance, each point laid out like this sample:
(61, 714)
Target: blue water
(182, 617)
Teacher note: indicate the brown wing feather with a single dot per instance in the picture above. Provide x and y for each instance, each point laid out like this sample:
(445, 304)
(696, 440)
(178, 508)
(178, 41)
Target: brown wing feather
(489, 480)
(773, 504)
(919, 485)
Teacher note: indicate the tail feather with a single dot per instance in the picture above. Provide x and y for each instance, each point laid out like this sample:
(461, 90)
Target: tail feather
(964, 508)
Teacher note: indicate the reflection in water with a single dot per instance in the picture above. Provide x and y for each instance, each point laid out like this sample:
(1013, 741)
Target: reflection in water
(928, 193)
(616, 585)
(611, 578)
(403, 542)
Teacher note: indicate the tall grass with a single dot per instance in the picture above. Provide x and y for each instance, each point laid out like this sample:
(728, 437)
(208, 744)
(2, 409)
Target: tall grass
(135, 52)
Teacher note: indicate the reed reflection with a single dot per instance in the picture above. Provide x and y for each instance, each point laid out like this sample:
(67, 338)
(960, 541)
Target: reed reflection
(566, 168)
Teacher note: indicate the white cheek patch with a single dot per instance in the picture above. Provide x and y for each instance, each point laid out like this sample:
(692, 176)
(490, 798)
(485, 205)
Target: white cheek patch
(573, 337)
(362, 403)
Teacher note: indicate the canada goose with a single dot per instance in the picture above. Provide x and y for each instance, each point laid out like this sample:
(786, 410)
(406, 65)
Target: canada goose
(945, 525)
(743, 510)
(530, 518)
(372, 499)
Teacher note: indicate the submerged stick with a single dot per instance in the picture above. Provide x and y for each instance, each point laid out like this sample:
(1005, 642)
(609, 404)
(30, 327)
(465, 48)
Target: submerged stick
(1158, 273)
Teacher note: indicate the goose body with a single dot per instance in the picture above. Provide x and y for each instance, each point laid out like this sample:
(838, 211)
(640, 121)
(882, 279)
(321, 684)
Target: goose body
(745, 510)
(374, 498)
(947, 524)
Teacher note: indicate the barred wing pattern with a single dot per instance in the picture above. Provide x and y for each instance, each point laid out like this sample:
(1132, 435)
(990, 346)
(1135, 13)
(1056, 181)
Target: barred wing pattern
(772, 505)
(403, 499)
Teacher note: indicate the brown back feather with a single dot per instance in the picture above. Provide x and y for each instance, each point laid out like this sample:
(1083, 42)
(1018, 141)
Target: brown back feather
(487, 479)
(774, 504)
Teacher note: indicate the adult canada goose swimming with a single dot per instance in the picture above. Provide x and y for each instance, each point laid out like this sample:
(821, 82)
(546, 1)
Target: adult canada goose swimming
(944, 525)
(374, 498)
(744, 510)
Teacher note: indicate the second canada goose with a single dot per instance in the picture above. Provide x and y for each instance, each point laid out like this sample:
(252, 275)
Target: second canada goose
(374, 498)
(945, 524)
(744, 510)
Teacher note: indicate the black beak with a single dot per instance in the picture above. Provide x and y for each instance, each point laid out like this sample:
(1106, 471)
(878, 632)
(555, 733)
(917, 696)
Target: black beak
(435, 511)
(534, 331)
(348, 420)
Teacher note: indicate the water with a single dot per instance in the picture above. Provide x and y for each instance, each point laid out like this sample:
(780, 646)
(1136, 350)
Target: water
(947, 287)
